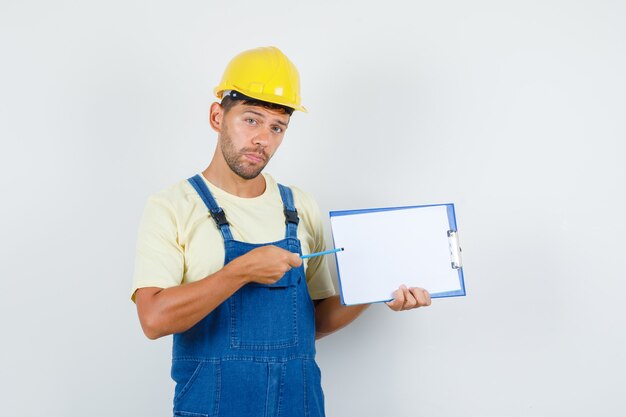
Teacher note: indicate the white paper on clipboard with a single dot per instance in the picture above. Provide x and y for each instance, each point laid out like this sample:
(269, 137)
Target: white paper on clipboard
(387, 247)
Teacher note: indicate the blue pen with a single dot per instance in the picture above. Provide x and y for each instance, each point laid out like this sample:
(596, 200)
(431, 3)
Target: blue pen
(310, 255)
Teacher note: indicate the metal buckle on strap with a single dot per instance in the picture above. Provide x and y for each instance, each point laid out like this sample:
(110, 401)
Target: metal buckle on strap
(219, 217)
(291, 216)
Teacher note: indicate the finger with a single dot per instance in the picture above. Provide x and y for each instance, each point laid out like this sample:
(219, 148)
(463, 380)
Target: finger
(394, 305)
(427, 296)
(397, 302)
(422, 296)
(411, 300)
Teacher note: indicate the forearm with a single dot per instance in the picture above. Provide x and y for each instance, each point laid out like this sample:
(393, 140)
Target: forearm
(331, 316)
(177, 309)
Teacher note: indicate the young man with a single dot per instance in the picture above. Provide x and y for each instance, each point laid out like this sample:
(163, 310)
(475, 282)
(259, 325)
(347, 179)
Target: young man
(240, 308)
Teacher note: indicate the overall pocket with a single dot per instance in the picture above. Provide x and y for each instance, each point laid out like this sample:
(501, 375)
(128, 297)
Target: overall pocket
(265, 316)
(197, 383)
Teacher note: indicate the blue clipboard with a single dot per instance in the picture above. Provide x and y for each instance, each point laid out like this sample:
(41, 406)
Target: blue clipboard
(385, 247)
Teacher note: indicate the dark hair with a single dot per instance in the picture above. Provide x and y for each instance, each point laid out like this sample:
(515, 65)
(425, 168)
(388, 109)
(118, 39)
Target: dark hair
(228, 102)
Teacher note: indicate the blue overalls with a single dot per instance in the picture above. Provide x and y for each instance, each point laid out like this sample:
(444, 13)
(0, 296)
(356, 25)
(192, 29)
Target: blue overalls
(254, 355)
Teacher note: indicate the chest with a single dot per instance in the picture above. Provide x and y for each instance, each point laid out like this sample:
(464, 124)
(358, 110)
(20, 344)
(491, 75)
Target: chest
(203, 243)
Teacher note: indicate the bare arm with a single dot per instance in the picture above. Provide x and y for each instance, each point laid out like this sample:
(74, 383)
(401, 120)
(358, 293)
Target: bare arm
(331, 316)
(177, 309)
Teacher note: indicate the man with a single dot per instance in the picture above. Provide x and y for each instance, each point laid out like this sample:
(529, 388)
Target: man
(241, 309)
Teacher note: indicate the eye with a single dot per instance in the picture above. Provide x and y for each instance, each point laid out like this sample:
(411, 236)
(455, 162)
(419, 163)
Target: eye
(250, 121)
(277, 129)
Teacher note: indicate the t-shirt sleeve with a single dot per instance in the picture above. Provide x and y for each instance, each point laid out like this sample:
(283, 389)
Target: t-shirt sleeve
(318, 275)
(159, 258)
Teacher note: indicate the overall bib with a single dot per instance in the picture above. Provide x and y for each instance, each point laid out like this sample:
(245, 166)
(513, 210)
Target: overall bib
(254, 355)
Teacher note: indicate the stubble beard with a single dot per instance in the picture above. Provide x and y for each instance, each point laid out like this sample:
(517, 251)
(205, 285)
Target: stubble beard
(237, 161)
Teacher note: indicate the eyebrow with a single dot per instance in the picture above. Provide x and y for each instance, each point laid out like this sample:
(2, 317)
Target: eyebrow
(280, 122)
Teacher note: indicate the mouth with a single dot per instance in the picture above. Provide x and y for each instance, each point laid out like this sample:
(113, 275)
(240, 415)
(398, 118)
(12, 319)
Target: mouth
(254, 157)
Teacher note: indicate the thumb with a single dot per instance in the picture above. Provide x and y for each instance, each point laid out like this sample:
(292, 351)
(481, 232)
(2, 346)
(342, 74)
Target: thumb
(294, 260)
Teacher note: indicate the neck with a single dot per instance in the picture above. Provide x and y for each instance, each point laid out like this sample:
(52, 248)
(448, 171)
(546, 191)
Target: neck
(219, 174)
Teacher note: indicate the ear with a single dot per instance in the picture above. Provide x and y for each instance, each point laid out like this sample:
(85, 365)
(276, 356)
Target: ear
(216, 115)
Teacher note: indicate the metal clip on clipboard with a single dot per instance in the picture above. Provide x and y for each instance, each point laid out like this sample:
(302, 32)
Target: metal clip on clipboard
(455, 249)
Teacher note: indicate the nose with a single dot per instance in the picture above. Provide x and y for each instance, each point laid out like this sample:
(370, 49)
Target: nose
(261, 138)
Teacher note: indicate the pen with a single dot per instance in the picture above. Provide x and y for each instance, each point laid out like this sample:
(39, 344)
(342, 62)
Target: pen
(310, 255)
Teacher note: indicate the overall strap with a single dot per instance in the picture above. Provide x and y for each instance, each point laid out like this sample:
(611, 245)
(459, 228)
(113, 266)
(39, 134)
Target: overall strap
(216, 211)
(291, 214)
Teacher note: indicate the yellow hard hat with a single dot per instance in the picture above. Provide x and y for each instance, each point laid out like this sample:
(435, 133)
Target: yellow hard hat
(265, 74)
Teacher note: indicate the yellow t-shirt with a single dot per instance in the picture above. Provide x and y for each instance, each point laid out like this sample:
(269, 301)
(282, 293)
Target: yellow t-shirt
(179, 242)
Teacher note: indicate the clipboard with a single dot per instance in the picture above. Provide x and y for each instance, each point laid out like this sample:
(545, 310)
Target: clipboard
(386, 247)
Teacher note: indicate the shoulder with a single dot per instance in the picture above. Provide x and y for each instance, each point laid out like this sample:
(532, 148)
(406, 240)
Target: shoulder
(174, 192)
(305, 203)
(303, 200)
(176, 198)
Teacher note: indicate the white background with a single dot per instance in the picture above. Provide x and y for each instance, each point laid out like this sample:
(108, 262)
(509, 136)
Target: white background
(514, 111)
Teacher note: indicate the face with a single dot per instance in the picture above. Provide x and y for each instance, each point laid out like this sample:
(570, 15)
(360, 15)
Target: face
(249, 138)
